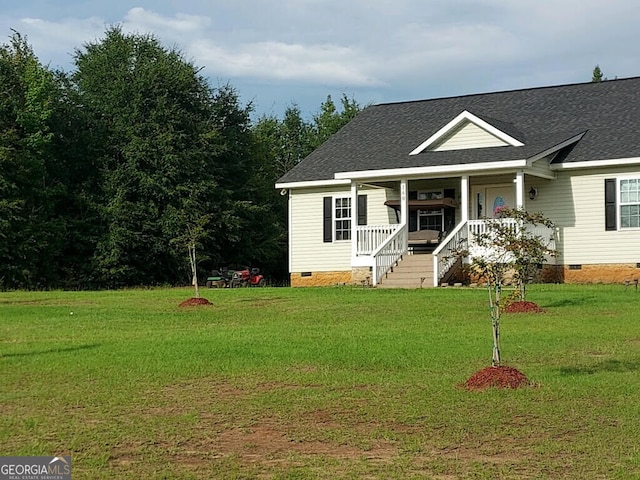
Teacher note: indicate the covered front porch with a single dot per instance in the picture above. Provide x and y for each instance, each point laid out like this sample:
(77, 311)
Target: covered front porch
(434, 216)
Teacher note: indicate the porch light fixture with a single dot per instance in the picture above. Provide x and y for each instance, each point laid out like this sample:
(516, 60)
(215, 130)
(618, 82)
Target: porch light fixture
(533, 193)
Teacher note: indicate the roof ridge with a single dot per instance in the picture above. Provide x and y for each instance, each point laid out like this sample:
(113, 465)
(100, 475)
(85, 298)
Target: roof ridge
(482, 94)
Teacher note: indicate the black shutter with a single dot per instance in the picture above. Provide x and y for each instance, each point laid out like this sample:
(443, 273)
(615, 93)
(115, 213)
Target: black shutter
(610, 213)
(327, 220)
(362, 209)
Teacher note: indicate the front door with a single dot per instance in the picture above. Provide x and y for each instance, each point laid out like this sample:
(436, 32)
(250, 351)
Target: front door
(490, 200)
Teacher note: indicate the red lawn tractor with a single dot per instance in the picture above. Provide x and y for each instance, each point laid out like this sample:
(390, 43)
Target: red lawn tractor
(248, 277)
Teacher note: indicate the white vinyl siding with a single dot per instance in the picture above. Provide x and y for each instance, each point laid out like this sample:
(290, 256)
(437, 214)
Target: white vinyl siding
(468, 135)
(308, 252)
(575, 203)
(541, 167)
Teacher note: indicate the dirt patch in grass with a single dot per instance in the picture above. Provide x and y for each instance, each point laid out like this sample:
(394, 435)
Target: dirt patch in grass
(496, 377)
(270, 439)
(222, 424)
(195, 302)
(218, 422)
(523, 306)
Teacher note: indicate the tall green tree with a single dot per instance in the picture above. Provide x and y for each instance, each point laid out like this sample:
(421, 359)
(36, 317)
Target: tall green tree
(156, 138)
(597, 76)
(78, 198)
(329, 120)
(253, 224)
(285, 142)
(29, 233)
(281, 145)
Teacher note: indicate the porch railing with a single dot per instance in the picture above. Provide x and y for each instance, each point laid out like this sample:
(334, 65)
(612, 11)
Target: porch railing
(370, 237)
(479, 227)
(389, 252)
(443, 256)
(385, 245)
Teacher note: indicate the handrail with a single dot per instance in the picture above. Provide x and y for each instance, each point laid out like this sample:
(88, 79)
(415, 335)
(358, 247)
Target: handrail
(370, 237)
(443, 255)
(389, 252)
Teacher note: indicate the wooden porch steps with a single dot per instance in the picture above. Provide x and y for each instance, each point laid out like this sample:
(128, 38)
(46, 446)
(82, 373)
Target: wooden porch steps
(413, 271)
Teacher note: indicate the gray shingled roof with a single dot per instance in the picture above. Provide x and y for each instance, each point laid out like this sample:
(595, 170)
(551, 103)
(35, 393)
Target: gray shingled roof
(382, 136)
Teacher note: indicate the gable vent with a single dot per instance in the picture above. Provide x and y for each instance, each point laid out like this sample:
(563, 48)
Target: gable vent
(467, 135)
(464, 132)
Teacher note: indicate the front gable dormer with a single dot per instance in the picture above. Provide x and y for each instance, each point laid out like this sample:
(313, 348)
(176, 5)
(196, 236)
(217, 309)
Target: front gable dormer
(467, 131)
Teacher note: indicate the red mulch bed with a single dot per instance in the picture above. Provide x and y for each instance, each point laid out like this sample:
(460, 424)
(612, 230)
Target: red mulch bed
(522, 307)
(194, 302)
(496, 377)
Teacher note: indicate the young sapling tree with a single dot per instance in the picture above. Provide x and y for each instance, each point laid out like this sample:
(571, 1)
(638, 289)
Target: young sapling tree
(512, 247)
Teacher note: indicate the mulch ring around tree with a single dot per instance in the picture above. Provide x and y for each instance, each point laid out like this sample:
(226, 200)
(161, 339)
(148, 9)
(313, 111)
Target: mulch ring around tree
(522, 306)
(194, 302)
(496, 377)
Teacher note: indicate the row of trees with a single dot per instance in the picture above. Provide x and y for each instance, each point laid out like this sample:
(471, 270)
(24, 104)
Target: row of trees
(112, 173)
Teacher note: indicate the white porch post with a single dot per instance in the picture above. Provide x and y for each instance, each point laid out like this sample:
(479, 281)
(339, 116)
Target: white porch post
(354, 219)
(404, 207)
(519, 181)
(404, 202)
(464, 198)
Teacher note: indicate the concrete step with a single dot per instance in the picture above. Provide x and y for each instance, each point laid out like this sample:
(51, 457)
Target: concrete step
(408, 276)
(413, 271)
(407, 283)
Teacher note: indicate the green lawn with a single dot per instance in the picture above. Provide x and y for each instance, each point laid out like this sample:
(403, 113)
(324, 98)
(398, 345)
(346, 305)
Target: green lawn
(321, 383)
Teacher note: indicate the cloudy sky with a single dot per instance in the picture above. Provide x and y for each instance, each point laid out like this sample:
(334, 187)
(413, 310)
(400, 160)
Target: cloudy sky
(280, 52)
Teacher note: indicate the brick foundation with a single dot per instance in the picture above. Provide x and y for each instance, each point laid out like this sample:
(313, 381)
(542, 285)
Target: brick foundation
(320, 279)
(608, 273)
(362, 276)
(605, 273)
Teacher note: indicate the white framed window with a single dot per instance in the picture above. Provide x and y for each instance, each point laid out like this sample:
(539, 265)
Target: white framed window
(342, 218)
(433, 218)
(629, 202)
(430, 195)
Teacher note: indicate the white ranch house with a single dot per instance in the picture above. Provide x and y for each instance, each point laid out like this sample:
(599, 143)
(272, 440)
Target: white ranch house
(385, 198)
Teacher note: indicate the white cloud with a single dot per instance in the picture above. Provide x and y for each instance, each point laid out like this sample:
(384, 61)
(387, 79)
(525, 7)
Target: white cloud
(384, 49)
(54, 42)
(140, 20)
(319, 64)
